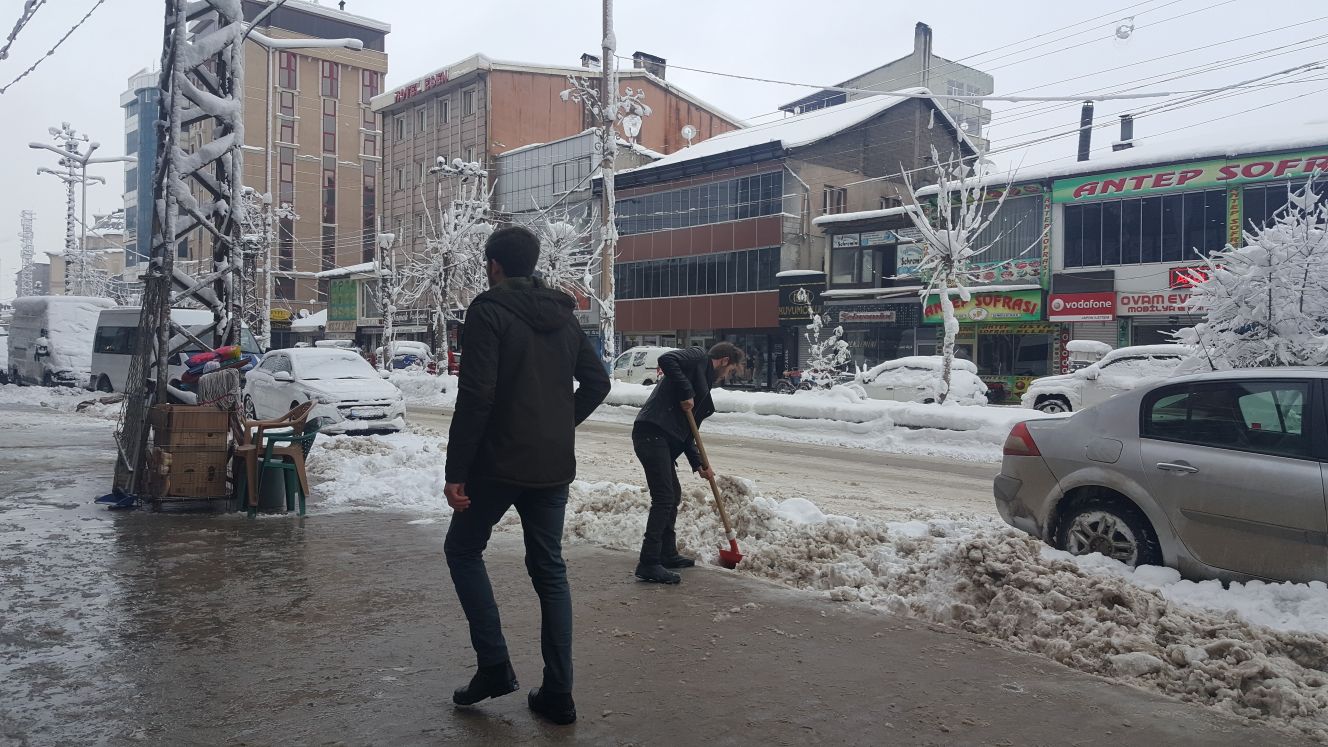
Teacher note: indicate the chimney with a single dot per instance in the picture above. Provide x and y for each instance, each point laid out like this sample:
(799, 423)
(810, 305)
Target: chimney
(1085, 130)
(652, 64)
(1126, 133)
(922, 50)
(590, 61)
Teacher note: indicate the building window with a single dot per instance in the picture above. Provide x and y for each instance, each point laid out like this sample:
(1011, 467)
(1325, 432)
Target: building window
(369, 213)
(370, 146)
(370, 120)
(444, 111)
(422, 119)
(470, 154)
(568, 175)
(1143, 230)
(421, 172)
(286, 175)
(1262, 202)
(329, 253)
(399, 178)
(286, 245)
(468, 103)
(399, 128)
(725, 272)
(329, 125)
(716, 202)
(330, 75)
(287, 70)
(285, 130)
(285, 288)
(891, 202)
(329, 190)
(419, 225)
(834, 200)
(371, 83)
(286, 104)
(1015, 232)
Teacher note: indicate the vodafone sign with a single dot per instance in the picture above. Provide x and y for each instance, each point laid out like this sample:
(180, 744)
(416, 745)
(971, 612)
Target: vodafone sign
(1081, 307)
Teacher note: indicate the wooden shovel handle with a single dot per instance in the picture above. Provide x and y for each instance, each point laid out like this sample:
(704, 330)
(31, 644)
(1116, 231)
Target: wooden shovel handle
(705, 463)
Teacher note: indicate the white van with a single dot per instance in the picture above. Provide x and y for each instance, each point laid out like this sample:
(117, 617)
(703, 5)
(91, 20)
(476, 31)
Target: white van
(116, 341)
(639, 365)
(50, 339)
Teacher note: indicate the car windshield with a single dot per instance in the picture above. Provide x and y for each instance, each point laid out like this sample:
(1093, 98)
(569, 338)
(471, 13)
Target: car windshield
(323, 367)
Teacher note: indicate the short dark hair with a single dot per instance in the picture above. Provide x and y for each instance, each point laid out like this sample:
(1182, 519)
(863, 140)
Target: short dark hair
(515, 248)
(727, 350)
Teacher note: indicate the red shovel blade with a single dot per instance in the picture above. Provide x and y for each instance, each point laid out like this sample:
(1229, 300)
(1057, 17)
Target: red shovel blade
(730, 558)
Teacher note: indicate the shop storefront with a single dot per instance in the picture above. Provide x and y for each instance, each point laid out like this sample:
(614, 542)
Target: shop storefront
(877, 332)
(1153, 318)
(799, 297)
(279, 321)
(1005, 334)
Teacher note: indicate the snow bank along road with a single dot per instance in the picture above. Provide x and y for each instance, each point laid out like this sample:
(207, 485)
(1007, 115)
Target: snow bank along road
(839, 480)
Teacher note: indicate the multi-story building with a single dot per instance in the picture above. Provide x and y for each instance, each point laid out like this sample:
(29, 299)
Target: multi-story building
(141, 102)
(918, 68)
(312, 142)
(706, 232)
(106, 247)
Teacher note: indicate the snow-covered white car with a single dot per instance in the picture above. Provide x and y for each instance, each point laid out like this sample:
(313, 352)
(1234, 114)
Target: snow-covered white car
(917, 378)
(1119, 371)
(348, 394)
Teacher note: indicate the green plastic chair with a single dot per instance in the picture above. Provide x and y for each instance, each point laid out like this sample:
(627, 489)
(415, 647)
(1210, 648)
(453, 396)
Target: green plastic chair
(290, 460)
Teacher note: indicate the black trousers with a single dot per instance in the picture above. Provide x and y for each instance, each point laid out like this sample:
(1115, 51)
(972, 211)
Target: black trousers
(542, 512)
(658, 454)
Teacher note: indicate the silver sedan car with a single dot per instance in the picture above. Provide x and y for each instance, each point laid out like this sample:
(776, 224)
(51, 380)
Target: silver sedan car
(1218, 475)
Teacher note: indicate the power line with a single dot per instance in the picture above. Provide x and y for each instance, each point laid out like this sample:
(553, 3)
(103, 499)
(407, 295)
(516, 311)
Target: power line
(29, 10)
(51, 51)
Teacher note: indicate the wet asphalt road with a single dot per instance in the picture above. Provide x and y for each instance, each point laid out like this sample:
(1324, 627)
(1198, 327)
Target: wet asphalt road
(138, 628)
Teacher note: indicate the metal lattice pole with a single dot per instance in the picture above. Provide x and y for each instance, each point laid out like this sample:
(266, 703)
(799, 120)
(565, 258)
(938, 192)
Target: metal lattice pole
(27, 249)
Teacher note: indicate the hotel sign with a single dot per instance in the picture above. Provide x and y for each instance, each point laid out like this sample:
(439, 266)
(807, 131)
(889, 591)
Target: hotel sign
(420, 86)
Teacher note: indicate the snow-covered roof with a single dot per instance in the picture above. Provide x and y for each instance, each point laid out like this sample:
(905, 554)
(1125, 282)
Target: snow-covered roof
(1197, 143)
(899, 290)
(333, 13)
(789, 132)
(797, 273)
(363, 268)
(310, 323)
(860, 215)
(480, 61)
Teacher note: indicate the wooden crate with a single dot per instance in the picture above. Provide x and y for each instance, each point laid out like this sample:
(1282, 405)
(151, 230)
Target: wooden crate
(190, 473)
(200, 428)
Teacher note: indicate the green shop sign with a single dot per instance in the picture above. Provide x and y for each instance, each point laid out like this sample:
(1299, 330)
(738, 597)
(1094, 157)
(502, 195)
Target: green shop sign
(341, 296)
(1190, 176)
(999, 306)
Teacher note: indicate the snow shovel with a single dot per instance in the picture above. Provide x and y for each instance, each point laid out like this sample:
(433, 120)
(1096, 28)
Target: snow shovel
(729, 558)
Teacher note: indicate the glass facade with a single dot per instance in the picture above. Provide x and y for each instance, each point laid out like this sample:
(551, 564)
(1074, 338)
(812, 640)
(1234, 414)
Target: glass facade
(1262, 201)
(717, 202)
(1142, 230)
(723, 272)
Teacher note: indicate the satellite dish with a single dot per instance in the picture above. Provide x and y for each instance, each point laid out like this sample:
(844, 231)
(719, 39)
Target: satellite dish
(688, 133)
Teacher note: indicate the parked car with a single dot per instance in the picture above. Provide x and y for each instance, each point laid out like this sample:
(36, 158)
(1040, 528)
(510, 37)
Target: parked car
(1218, 475)
(348, 394)
(116, 340)
(408, 354)
(4, 356)
(639, 365)
(1119, 371)
(1084, 353)
(917, 378)
(50, 339)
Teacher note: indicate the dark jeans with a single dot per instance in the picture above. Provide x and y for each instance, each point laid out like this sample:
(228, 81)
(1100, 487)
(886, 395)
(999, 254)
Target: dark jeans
(658, 453)
(542, 514)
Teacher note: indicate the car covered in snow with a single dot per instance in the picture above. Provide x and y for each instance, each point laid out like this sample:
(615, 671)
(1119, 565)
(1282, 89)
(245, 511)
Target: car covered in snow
(917, 378)
(1118, 371)
(349, 395)
(50, 339)
(1218, 475)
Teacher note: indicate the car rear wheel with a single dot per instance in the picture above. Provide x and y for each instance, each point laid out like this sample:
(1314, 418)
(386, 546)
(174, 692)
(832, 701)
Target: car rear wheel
(104, 384)
(648, 382)
(1112, 526)
(1054, 405)
(249, 411)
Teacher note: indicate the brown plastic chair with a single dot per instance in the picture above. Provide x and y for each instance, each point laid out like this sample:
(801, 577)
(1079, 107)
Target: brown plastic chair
(248, 446)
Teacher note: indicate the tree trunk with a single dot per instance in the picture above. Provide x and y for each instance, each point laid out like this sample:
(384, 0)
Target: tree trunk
(948, 345)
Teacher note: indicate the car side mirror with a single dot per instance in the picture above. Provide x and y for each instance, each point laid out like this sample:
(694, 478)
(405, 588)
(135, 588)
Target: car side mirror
(283, 376)
(384, 374)
(1091, 374)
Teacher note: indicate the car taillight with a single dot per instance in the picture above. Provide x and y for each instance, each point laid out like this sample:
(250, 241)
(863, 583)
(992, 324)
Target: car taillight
(1020, 442)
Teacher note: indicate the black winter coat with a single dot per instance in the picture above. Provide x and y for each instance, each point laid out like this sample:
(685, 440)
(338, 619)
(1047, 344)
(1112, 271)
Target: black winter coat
(688, 374)
(516, 412)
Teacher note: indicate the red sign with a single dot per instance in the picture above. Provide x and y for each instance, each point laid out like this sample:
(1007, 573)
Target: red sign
(1187, 277)
(418, 87)
(1146, 304)
(1082, 307)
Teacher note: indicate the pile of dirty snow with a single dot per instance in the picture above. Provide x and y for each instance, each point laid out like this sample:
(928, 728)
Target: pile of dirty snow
(422, 388)
(1196, 642)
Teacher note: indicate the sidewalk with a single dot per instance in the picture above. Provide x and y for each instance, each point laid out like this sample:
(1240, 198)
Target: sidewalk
(343, 629)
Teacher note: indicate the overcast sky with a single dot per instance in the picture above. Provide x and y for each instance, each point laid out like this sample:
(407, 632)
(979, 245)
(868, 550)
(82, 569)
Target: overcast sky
(791, 40)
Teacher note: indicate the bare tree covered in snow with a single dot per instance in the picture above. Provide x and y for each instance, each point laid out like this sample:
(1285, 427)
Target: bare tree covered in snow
(828, 357)
(950, 241)
(1267, 303)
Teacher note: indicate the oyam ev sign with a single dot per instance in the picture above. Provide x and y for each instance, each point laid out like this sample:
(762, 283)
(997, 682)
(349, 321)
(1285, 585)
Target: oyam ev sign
(1081, 307)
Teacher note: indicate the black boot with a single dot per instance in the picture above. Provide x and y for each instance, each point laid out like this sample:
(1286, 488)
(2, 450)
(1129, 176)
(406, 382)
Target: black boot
(556, 707)
(488, 682)
(677, 561)
(656, 574)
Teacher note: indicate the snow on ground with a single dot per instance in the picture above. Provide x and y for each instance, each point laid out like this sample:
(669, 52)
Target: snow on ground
(1255, 650)
(838, 417)
(421, 388)
(65, 399)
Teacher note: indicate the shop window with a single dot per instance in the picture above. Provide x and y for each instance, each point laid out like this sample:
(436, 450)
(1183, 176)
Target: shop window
(330, 79)
(1014, 355)
(1166, 228)
(287, 70)
(1262, 202)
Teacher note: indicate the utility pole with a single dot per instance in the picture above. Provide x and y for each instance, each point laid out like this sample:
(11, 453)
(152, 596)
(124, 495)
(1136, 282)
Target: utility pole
(609, 150)
(26, 252)
(388, 292)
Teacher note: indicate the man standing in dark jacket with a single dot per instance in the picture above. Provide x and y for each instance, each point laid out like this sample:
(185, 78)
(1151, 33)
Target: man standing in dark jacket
(661, 433)
(512, 444)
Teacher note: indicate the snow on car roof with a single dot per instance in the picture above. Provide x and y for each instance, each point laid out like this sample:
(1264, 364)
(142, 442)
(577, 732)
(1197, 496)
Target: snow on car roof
(929, 362)
(1087, 346)
(1138, 351)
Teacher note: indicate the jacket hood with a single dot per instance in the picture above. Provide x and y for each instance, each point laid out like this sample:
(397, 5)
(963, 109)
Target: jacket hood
(545, 309)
